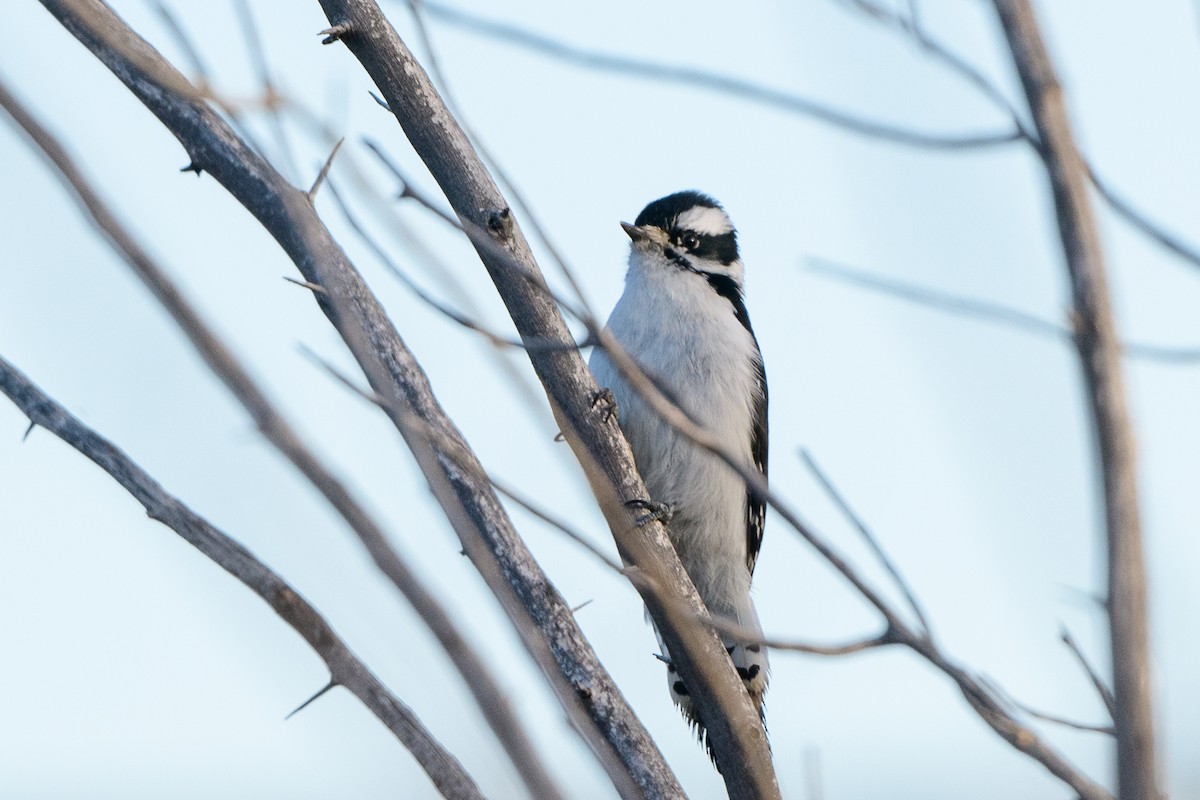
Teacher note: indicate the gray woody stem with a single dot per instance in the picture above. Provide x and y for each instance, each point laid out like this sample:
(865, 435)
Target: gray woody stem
(1099, 354)
(540, 616)
(738, 738)
(344, 667)
(272, 425)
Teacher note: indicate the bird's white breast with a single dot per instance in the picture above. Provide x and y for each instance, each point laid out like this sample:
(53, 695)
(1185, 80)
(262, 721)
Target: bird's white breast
(688, 338)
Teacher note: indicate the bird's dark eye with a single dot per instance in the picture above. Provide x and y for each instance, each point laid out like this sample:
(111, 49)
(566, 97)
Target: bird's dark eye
(690, 240)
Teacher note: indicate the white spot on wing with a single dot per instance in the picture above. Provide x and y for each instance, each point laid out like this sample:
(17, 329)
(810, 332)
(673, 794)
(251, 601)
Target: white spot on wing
(703, 219)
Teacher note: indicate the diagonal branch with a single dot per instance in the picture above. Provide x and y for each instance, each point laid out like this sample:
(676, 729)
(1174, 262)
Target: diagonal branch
(540, 616)
(711, 81)
(345, 669)
(484, 687)
(1099, 355)
(910, 25)
(992, 312)
(734, 730)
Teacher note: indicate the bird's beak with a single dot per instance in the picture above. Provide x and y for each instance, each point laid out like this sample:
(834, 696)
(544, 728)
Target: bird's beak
(635, 233)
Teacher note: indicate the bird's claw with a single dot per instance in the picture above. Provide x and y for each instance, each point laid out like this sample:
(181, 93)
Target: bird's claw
(606, 403)
(655, 512)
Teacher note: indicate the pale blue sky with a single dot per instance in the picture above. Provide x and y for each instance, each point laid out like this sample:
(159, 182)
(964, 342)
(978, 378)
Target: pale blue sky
(135, 668)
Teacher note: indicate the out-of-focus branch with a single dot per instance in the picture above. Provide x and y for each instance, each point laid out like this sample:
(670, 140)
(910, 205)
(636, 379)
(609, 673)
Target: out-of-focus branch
(1045, 717)
(1106, 695)
(733, 726)
(456, 316)
(990, 312)
(345, 669)
(711, 81)
(857, 522)
(540, 616)
(1099, 354)
(1142, 222)
(276, 429)
(910, 26)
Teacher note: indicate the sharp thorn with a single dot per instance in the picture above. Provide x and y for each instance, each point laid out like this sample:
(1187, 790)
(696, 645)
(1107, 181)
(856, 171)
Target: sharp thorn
(335, 33)
(312, 287)
(381, 102)
(332, 683)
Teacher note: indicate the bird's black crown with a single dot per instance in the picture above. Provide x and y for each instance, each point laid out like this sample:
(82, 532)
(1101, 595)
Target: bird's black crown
(663, 212)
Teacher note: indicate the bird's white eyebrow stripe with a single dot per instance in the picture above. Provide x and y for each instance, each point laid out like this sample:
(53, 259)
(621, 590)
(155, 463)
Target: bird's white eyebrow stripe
(704, 219)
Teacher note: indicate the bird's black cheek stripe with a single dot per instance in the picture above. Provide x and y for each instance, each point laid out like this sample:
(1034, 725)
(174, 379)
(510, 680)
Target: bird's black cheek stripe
(718, 247)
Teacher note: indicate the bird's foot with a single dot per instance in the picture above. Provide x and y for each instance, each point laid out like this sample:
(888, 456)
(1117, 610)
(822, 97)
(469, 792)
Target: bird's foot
(606, 403)
(655, 512)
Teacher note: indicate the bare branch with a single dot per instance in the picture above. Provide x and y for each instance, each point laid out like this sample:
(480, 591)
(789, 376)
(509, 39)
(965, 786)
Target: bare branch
(1142, 222)
(481, 236)
(738, 737)
(571, 666)
(271, 96)
(911, 26)
(275, 429)
(1043, 716)
(312, 193)
(1099, 354)
(429, 300)
(856, 521)
(989, 312)
(203, 74)
(1106, 694)
(711, 81)
(988, 89)
(345, 669)
(417, 7)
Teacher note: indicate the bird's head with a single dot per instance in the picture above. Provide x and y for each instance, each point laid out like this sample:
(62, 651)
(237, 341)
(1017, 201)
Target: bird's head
(687, 231)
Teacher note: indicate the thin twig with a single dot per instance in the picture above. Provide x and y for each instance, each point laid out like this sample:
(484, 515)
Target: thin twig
(203, 74)
(417, 7)
(1042, 715)
(431, 301)
(711, 81)
(989, 311)
(479, 235)
(910, 26)
(1102, 689)
(1142, 222)
(271, 95)
(345, 668)
(857, 522)
(312, 193)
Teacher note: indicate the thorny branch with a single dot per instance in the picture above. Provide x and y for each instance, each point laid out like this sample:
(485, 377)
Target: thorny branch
(540, 616)
(280, 433)
(345, 669)
(733, 727)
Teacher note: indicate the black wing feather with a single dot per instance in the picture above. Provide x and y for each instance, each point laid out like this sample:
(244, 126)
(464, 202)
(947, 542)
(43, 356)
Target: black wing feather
(756, 505)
